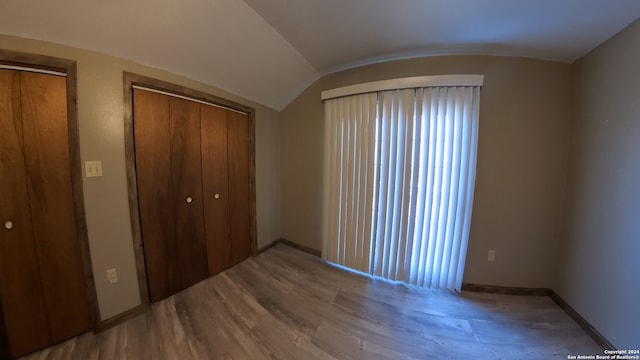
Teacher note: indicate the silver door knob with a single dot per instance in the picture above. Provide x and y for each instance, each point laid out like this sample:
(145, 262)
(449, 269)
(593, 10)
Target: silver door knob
(8, 225)
(189, 200)
(216, 196)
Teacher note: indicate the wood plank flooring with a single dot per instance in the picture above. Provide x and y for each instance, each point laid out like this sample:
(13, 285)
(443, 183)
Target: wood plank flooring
(286, 304)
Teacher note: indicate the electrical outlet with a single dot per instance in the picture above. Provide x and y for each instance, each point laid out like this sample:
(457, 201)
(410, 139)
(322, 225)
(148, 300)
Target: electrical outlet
(112, 276)
(491, 256)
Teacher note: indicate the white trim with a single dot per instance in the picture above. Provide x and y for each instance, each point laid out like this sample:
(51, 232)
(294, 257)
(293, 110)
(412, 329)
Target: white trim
(188, 98)
(405, 83)
(35, 70)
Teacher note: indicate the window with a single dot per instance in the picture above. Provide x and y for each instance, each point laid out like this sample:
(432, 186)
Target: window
(399, 175)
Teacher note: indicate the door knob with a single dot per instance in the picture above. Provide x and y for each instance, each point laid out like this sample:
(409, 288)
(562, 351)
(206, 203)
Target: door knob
(189, 200)
(8, 225)
(216, 196)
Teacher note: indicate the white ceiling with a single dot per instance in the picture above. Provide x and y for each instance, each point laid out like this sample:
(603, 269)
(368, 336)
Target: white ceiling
(334, 34)
(270, 50)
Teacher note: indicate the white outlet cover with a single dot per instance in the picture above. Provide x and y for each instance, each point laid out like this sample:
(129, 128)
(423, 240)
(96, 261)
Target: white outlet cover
(491, 255)
(112, 276)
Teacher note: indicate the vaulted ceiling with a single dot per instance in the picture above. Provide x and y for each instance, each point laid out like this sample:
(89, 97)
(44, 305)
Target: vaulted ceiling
(269, 50)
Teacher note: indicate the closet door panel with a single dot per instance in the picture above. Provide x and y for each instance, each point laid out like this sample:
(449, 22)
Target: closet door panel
(155, 195)
(186, 173)
(4, 340)
(239, 185)
(46, 147)
(215, 181)
(25, 315)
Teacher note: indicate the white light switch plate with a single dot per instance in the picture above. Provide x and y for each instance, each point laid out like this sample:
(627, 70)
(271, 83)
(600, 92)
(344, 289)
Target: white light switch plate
(93, 168)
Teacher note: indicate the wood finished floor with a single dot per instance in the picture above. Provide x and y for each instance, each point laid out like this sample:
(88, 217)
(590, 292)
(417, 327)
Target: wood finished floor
(286, 304)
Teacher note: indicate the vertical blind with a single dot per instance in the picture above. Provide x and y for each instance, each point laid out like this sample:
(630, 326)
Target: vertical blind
(399, 172)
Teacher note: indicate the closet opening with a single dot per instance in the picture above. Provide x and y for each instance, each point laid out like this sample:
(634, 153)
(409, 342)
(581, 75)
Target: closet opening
(190, 176)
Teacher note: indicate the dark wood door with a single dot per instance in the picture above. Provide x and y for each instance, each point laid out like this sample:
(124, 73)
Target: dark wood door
(25, 315)
(193, 167)
(155, 193)
(186, 174)
(239, 163)
(167, 151)
(216, 187)
(46, 150)
(226, 155)
(44, 294)
(4, 340)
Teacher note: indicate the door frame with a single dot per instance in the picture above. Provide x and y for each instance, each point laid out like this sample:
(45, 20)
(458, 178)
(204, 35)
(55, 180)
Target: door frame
(69, 67)
(129, 81)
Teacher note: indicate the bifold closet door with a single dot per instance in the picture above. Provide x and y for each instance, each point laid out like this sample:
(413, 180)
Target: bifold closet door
(25, 315)
(167, 151)
(239, 162)
(226, 148)
(186, 175)
(43, 289)
(216, 187)
(46, 147)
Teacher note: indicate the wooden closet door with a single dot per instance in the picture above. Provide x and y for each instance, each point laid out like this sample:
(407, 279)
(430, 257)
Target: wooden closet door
(186, 174)
(240, 192)
(168, 168)
(4, 340)
(155, 193)
(46, 151)
(216, 182)
(25, 316)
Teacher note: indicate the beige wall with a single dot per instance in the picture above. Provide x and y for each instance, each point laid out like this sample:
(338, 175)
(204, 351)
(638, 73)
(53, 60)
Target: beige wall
(524, 112)
(601, 258)
(100, 112)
